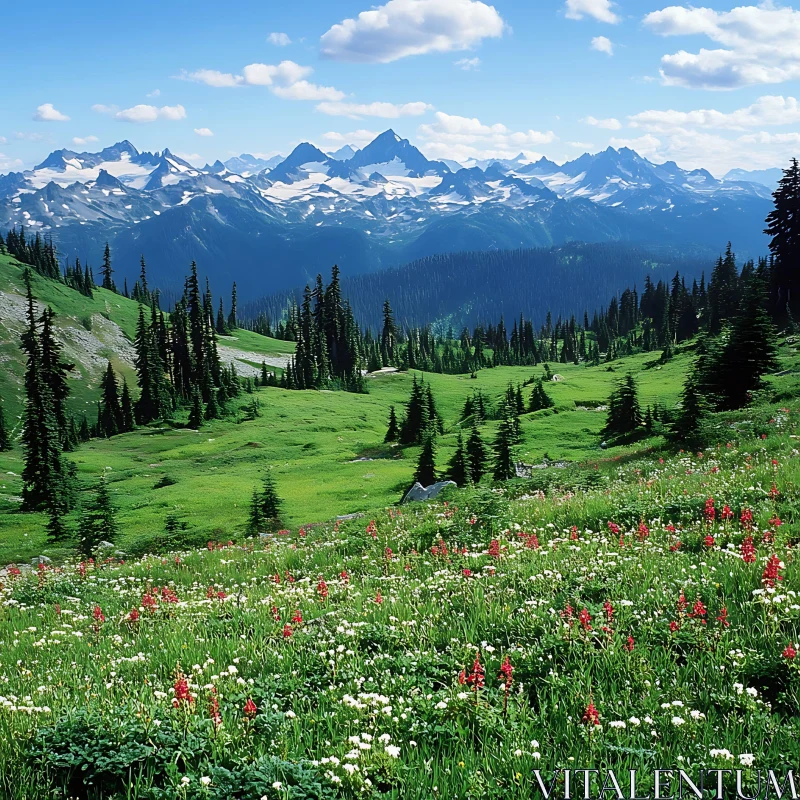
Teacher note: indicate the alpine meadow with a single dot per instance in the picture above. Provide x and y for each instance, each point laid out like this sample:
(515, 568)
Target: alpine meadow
(451, 460)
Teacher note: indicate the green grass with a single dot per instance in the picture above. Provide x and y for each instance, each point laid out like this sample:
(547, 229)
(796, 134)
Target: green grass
(86, 706)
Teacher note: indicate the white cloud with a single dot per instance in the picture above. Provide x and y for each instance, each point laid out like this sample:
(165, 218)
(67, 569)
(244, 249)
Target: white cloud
(204, 131)
(767, 110)
(285, 73)
(46, 113)
(597, 9)
(8, 164)
(303, 90)
(610, 124)
(279, 39)
(32, 137)
(143, 113)
(357, 138)
(411, 27)
(603, 44)
(465, 138)
(154, 93)
(384, 110)
(192, 158)
(647, 145)
(468, 63)
(81, 140)
(3, 140)
(759, 45)
(286, 80)
(215, 78)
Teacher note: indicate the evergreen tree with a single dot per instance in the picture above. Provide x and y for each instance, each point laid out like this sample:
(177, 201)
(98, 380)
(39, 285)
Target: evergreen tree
(110, 419)
(106, 271)
(426, 465)
(504, 461)
(458, 469)
(783, 226)
(265, 507)
(416, 418)
(54, 372)
(750, 351)
(233, 321)
(688, 424)
(44, 480)
(393, 431)
(196, 414)
(126, 407)
(624, 415)
(98, 521)
(5, 434)
(476, 452)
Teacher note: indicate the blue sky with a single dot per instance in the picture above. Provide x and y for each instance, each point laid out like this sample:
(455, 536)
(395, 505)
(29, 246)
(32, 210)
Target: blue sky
(711, 85)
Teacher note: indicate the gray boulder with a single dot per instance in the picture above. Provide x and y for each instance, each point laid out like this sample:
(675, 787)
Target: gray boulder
(41, 560)
(420, 493)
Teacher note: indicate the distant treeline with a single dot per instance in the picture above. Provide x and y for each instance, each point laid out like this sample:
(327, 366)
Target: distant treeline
(473, 288)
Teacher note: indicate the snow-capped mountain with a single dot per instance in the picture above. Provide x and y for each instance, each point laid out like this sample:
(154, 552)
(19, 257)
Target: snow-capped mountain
(275, 222)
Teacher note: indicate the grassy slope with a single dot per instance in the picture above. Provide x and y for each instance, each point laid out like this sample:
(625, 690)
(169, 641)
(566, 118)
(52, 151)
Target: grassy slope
(312, 441)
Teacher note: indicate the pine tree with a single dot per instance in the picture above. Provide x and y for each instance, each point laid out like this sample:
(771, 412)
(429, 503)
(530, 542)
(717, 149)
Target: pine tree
(265, 507)
(233, 321)
(196, 414)
(692, 415)
(43, 474)
(750, 351)
(504, 461)
(624, 415)
(5, 435)
(98, 521)
(126, 407)
(212, 407)
(110, 416)
(426, 465)
(783, 226)
(458, 469)
(106, 271)
(416, 418)
(393, 431)
(54, 372)
(476, 451)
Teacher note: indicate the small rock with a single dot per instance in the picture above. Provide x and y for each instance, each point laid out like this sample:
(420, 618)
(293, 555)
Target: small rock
(41, 560)
(418, 492)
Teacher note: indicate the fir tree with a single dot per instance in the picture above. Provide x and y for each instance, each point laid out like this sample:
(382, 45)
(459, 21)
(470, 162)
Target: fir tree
(476, 452)
(196, 413)
(692, 415)
(783, 226)
(624, 415)
(106, 271)
(98, 521)
(458, 469)
(110, 419)
(126, 407)
(426, 465)
(504, 461)
(416, 417)
(265, 507)
(393, 431)
(233, 321)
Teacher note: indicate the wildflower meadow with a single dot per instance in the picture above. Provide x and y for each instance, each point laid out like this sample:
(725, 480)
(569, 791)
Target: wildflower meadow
(625, 615)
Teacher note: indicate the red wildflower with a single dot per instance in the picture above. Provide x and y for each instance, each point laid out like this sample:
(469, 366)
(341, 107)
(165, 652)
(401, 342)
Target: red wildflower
(643, 531)
(322, 590)
(466, 572)
(771, 572)
(726, 513)
(682, 602)
(789, 652)
(613, 527)
(98, 615)
(773, 492)
(476, 678)
(748, 550)
(609, 609)
(591, 716)
(584, 618)
(345, 577)
(708, 541)
(378, 598)
(297, 617)
(250, 709)
(532, 542)
(698, 611)
(675, 546)
(182, 693)
(494, 548)
(629, 644)
(746, 518)
(287, 631)
(722, 617)
(149, 602)
(372, 529)
(506, 670)
(388, 553)
(573, 533)
(275, 614)
(210, 593)
(775, 521)
(673, 626)
(709, 512)
(134, 615)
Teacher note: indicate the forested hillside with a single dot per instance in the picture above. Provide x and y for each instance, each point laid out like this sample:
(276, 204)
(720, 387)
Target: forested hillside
(468, 288)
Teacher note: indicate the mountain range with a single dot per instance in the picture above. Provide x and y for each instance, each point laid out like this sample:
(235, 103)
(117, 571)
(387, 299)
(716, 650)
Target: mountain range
(273, 223)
